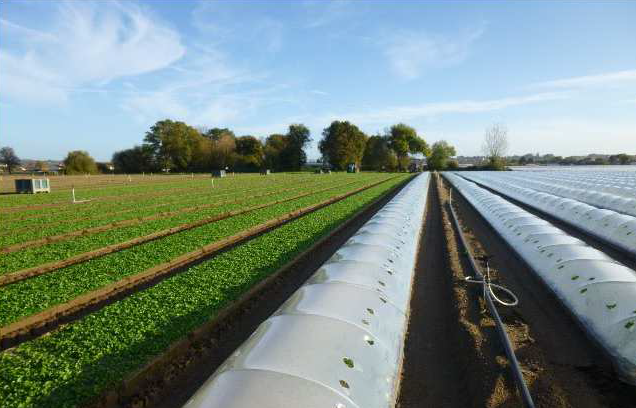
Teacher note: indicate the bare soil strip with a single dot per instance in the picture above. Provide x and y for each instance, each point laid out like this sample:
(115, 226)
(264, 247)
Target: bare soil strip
(49, 319)
(561, 366)
(432, 373)
(129, 222)
(83, 257)
(170, 379)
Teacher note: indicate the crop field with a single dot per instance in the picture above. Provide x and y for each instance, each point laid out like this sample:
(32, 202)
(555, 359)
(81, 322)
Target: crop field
(146, 290)
(91, 292)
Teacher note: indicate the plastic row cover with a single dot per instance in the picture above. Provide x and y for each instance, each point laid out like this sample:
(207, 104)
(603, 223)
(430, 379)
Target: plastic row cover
(586, 183)
(600, 292)
(610, 226)
(589, 194)
(338, 341)
(622, 183)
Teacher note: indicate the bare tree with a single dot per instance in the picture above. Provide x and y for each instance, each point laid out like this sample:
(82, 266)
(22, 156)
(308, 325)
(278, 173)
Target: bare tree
(495, 142)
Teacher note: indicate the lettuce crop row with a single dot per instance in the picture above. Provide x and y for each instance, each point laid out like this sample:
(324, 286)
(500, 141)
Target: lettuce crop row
(138, 187)
(184, 204)
(42, 204)
(21, 202)
(82, 360)
(97, 207)
(31, 296)
(57, 251)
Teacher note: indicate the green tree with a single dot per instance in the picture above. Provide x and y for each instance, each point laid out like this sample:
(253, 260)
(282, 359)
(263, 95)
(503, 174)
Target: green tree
(249, 151)
(223, 150)
(173, 144)
(620, 158)
(275, 146)
(138, 159)
(249, 146)
(79, 162)
(441, 152)
(9, 158)
(403, 139)
(293, 156)
(342, 143)
(216, 134)
(624, 159)
(378, 155)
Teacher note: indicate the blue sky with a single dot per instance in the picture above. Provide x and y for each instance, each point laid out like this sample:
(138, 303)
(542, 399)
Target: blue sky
(95, 75)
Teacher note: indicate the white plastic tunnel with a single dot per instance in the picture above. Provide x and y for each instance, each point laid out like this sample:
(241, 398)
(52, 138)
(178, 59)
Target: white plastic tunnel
(600, 292)
(338, 341)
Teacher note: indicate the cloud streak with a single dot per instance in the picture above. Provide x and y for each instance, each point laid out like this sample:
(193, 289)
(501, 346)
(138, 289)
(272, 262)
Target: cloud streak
(323, 12)
(410, 53)
(90, 44)
(589, 81)
(428, 110)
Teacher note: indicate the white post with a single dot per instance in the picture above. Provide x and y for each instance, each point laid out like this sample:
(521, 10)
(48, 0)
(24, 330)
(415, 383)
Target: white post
(129, 178)
(73, 191)
(212, 182)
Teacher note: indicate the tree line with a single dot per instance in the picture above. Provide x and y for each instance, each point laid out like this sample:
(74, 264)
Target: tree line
(176, 146)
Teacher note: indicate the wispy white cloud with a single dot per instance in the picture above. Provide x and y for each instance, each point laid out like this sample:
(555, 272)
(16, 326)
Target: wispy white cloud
(588, 81)
(204, 89)
(192, 90)
(410, 53)
(325, 12)
(412, 112)
(26, 33)
(319, 92)
(385, 116)
(217, 21)
(89, 44)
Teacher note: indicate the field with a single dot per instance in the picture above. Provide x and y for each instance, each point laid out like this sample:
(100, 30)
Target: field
(147, 286)
(93, 291)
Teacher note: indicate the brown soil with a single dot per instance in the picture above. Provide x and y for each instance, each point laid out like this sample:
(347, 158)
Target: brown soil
(432, 374)
(171, 380)
(561, 367)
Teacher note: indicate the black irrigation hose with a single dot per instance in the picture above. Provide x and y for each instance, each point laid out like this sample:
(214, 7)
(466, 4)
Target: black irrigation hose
(514, 364)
